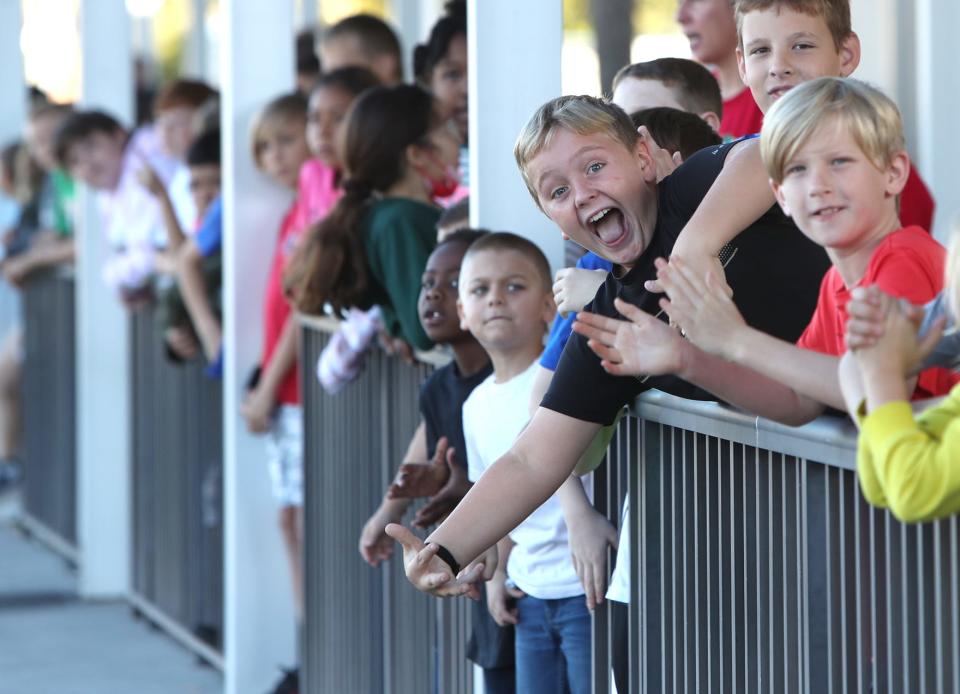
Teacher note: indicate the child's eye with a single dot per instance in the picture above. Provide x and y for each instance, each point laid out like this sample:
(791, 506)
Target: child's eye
(515, 287)
(759, 50)
(454, 284)
(557, 192)
(837, 161)
(795, 169)
(478, 290)
(595, 166)
(427, 283)
(803, 45)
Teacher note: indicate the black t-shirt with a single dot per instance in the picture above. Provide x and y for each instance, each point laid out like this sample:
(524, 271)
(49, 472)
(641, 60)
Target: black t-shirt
(441, 403)
(775, 276)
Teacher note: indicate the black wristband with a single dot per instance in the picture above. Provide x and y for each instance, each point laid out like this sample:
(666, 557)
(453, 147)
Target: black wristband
(444, 554)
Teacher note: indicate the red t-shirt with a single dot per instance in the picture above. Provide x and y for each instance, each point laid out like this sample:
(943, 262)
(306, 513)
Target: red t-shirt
(907, 264)
(276, 308)
(916, 203)
(741, 116)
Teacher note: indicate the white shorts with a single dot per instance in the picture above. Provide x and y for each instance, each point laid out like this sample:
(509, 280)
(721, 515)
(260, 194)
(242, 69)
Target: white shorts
(285, 455)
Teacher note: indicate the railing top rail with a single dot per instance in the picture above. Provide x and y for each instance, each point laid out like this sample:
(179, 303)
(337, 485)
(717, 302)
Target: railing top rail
(828, 439)
(328, 324)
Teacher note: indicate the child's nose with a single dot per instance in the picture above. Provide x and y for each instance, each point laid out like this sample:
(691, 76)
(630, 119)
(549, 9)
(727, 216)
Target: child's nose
(780, 65)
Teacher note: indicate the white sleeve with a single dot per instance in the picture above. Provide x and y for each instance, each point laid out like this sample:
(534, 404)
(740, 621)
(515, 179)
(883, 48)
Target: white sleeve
(474, 462)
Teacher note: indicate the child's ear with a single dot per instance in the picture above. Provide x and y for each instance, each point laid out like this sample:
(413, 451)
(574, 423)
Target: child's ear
(849, 54)
(711, 119)
(897, 173)
(781, 199)
(741, 65)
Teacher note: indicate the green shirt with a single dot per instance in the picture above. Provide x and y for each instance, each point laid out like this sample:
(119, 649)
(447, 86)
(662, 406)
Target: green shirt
(399, 235)
(64, 203)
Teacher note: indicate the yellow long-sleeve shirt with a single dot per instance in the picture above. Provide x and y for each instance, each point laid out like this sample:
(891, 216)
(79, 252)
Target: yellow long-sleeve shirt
(912, 465)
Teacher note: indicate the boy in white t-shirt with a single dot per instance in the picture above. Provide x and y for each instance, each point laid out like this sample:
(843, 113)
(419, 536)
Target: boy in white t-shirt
(506, 301)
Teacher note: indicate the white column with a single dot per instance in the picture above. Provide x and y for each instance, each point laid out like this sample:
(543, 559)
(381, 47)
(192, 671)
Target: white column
(103, 339)
(938, 102)
(514, 57)
(256, 65)
(12, 85)
(413, 20)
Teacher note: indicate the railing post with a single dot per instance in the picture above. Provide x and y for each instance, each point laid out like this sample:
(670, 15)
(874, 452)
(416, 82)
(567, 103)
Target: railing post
(256, 65)
(514, 56)
(103, 340)
(938, 98)
(12, 84)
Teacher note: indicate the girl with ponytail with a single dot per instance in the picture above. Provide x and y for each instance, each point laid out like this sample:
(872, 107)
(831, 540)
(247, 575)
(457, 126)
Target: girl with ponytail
(399, 154)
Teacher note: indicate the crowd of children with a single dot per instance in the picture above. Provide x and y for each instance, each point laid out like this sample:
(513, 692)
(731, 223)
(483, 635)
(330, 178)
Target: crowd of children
(821, 288)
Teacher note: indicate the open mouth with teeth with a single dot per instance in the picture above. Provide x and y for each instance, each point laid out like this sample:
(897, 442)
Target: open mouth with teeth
(608, 225)
(433, 316)
(827, 211)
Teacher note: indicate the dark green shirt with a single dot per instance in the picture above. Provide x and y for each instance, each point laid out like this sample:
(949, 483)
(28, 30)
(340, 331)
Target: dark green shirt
(399, 235)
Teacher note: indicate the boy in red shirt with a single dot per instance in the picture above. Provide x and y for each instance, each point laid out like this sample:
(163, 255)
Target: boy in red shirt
(834, 151)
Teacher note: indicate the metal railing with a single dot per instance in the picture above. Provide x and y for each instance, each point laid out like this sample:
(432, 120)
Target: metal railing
(756, 566)
(366, 630)
(49, 408)
(177, 456)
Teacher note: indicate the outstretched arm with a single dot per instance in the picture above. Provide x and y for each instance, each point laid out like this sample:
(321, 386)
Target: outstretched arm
(542, 457)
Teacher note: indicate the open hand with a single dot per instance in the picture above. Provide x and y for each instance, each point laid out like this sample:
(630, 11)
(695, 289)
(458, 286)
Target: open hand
(427, 572)
(415, 480)
(574, 288)
(640, 345)
(589, 535)
(698, 263)
(701, 306)
(445, 500)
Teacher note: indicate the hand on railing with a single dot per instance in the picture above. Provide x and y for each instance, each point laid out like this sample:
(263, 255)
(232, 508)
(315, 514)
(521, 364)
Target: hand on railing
(416, 480)
(430, 574)
(444, 480)
(375, 545)
(589, 534)
(181, 341)
(641, 345)
(257, 410)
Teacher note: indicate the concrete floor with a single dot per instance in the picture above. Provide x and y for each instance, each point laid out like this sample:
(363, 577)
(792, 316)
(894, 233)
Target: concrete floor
(51, 642)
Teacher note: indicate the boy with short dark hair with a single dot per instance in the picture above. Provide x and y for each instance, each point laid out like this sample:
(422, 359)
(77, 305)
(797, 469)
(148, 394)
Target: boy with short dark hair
(363, 40)
(672, 82)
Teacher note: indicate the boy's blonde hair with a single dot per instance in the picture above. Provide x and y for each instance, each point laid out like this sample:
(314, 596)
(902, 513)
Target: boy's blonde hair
(583, 115)
(283, 109)
(951, 282)
(872, 119)
(835, 13)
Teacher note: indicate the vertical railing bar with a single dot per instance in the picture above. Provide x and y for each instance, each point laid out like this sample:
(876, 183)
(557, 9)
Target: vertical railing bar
(938, 608)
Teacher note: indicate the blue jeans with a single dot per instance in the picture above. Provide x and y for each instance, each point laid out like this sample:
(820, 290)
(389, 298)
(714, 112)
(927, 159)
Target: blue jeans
(553, 646)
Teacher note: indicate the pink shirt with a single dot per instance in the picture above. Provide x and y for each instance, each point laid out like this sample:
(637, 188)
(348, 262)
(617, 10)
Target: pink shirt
(317, 191)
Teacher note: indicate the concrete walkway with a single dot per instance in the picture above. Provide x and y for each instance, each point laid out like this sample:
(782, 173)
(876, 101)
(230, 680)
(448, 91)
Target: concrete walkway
(51, 642)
